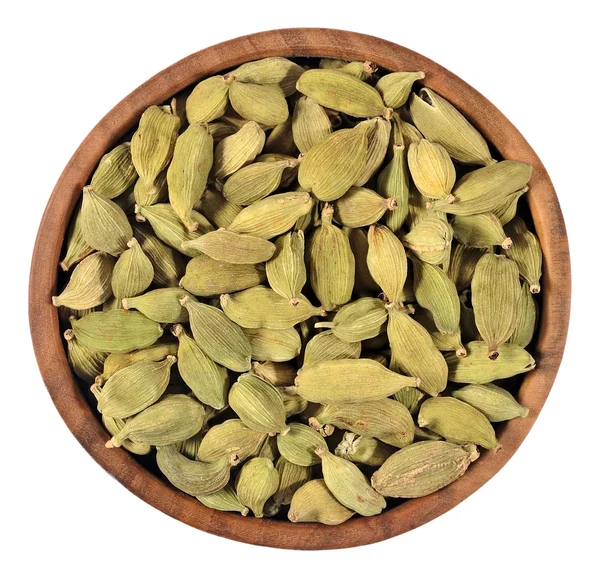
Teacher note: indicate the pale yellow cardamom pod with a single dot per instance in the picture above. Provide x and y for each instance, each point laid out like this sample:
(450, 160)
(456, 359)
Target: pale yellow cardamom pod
(313, 502)
(86, 361)
(299, 444)
(363, 70)
(443, 341)
(326, 346)
(364, 285)
(217, 209)
(77, 248)
(115, 172)
(527, 314)
(377, 146)
(230, 436)
(114, 425)
(462, 264)
(224, 500)
(286, 270)
(257, 481)
(133, 272)
(364, 450)
(361, 207)
(392, 183)
(276, 373)
(208, 101)
(275, 345)
(264, 104)
(280, 141)
(271, 71)
(310, 124)
(526, 252)
(291, 478)
(237, 150)
(494, 402)
(359, 320)
(432, 170)
(430, 240)
(480, 230)
(168, 264)
(395, 87)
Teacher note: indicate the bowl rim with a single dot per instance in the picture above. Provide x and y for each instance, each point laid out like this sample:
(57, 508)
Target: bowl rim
(296, 42)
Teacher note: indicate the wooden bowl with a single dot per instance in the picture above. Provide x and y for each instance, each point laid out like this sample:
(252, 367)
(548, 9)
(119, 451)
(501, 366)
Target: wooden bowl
(86, 427)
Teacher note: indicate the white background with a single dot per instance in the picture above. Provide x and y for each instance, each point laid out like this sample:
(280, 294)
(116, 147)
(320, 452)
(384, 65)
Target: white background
(64, 520)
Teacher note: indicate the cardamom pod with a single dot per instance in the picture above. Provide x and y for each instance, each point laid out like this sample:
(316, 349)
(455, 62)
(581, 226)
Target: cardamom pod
(133, 272)
(276, 345)
(410, 397)
(363, 70)
(526, 318)
(208, 100)
(162, 305)
(432, 170)
(286, 271)
(114, 425)
(115, 172)
(269, 450)
(292, 401)
(224, 500)
(481, 230)
(217, 209)
(378, 140)
(525, 252)
(430, 240)
(395, 87)
(443, 341)
(86, 361)
(167, 263)
(277, 71)
(462, 264)
(364, 285)
(276, 373)
(361, 207)
(281, 141)
(299, 444)
(494, 402)
(326, 347)
(392, 183)
(257, 481)
(420, 208)
(404, 132)
(264, 104)
(230, 436)
(310, 124)
(291, 478)
(359, 320)
(313, 502)
(77, 248)
(364, 450)
(234, 151)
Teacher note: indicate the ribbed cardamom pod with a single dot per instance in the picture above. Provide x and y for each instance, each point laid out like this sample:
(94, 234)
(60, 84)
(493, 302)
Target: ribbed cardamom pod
(86, 362)
(348, 484)
(341, 92)
(494, 402)
(462, 264)
(506, 210)
(333, 165)
(231, 436)
(440, 121)
(133, 273)
(387, 262)
(227, 246)
(359, 320)
(443, 341)
(152, 148)
(168, 227)
(404, 132)
(264, 104)
(116, 331)
(361, 207)
(149, 194)
(174, 418)
(134, 388)
(432, 170)
(271, 71)
(291, 478)
(349, 380)
(422, 469)
(220, 338)
(114, 425)
(289, 173)
(117, 361)
(457, 421)
(89, 285)
(269, 450)
(208, 381)
(363, 70)
(430, 240)
(189, 447)
(526, 318)
(208, 100)
(495, 296)
(196, 478)
(293, 402)
(76, 246)
(272, 216)
(276, 345)
(377, 147)
(395, 87)
(364, 285)
(310, 124)
(436, 292)
(257, 481)
(225, 500)
(476, 368)
(281, 141)
(115, 172)
(525, 252)
(104, 225)
(258, 404)
(167, 263)
(410, 397)
(414, 352)
(482, 190)
(276, 373)
(392, 183)
(218, 210)
(364, 450)
(237, 150)
(188, 172)
(206, 277)
(481, 230)
(162, 305)
(420, 208)
(326, 347)
(299, 444)
(255, 181)
(260, 307)
(385, 419)
(286, 271)
(313, 502)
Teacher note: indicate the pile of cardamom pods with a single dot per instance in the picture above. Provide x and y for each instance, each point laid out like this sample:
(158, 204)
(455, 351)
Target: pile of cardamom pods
(295, 286)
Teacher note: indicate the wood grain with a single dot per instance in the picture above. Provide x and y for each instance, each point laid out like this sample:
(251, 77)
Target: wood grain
(119, 463)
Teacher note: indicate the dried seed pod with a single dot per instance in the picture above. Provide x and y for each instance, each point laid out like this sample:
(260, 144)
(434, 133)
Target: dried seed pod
(114, 425)
(359, 320)
(494, 402)
(260, 307)
(293, 402)
(218, 210)
(348, 484)
(481, 230)
(299, 444)
(133, 388)
(208, 100)
(277, 373)
(235, 151)
(395, 87)
(286, 270)
(167, 263)
(430, 240)
(231, 436)
(190, 446)
(188, 172)
(89, 285)
(196, 478)
(404, 132)
(162, 305)
(86, 362)
(440, 121)
(133, 273)
(506, 210)
(387, 262)
(525, 252)
(206, 277)
(364, 450)
(115, 172)
(476, 368)
(264, 104)
(310, 125)
(349, 380)
(227, 246)
(362, 70)
(526, 318)
(421, 209)
(270, 71)
(326, 347)
(392, 183)
(457, 421)
(432, 170)
(221, 339)
(276, 345)
(361, 207)
(495, 296)
(377, 146)
(422, 469)
(462, 264)
(257, 481)
(77, 248)
(172, 419)
(364, 285)
(225, 500)
(208, 381)
(414, 352)
(333, 165)
(116, 331)
(258, 404)
(443, 341)
(291, 478)
(281, 141)
(313, 502)
(117, 361)
(410, 397)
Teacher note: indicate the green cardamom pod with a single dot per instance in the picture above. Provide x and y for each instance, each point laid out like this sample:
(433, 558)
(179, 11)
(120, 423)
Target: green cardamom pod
(148, 194)
(87, 362)
(525, 252)
(506, 210)
(430, 240)
(133, 273)
(420, 208)
(231, 436)
(271, 71)
(291, 478)
(313, 502)
(218, 210)
(359, 320)
(292, 401)
(363, 70)
(276, 345)
(264, 104)
(462, 264)
(224, 500)
(395, 87)
(286, 271)
(364, 450)
(422, 469)
(526, 318)
(361, 207)
(377, 146)
(76, 246)
(162, 305)
(277, 373)
(233, 152)
(269, 451)
(167, 263)
(410, 397)
(115, 172)
(392, 183)
(227, 246)
(432, 170)
(208, 100)
(364, 285)
(114, 425)
(281, 141)
(326, 347)
(310, 124)
(404, 132)
(443, 341)
(494, 402)
(481, 230)
(257, 481)
(299, 444)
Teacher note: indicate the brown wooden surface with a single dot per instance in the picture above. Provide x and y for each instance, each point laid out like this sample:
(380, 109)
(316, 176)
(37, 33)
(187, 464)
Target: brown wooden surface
(119, 463)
